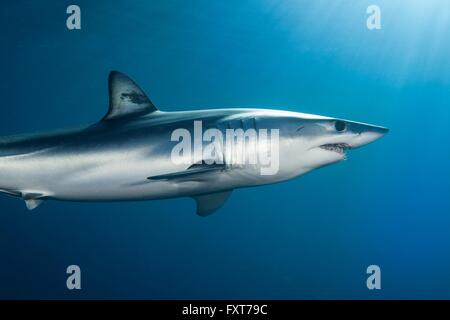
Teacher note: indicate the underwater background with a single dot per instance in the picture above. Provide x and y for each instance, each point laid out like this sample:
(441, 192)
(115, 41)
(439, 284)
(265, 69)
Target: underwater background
(309, 238)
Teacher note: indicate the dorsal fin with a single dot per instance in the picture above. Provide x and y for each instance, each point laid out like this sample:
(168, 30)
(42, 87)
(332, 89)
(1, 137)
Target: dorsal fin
(126, 98)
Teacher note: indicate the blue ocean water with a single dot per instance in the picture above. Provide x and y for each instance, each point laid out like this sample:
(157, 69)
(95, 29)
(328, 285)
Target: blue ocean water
(309, 238)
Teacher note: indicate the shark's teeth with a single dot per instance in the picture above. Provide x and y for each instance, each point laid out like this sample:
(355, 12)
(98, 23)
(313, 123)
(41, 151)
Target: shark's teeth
(336, 147)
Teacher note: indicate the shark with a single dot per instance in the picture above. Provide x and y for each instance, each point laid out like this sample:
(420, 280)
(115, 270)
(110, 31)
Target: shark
(128, 154)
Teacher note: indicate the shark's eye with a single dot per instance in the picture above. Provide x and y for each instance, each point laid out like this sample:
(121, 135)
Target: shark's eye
(340, 126)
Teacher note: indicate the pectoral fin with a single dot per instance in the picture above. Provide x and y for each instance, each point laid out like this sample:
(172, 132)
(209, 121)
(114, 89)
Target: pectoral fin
(11, 193)
(208, 203)
(191, 173)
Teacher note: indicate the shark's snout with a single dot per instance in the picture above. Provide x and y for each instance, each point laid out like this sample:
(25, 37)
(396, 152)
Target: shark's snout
(365, 133)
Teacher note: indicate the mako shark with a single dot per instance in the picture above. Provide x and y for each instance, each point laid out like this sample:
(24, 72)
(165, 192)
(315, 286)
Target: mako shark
(127, 155)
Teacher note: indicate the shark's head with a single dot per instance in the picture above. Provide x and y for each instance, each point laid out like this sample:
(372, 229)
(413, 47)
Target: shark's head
(315, 141)
(329, 140)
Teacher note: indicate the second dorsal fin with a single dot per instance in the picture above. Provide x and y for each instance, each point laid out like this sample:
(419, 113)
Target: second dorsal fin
(126, 98)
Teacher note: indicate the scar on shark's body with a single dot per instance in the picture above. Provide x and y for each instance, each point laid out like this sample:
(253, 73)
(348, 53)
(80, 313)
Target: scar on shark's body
(134, 97)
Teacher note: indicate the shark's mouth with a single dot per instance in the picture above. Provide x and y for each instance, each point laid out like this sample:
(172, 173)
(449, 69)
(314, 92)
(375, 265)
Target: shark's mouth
(336, 147)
